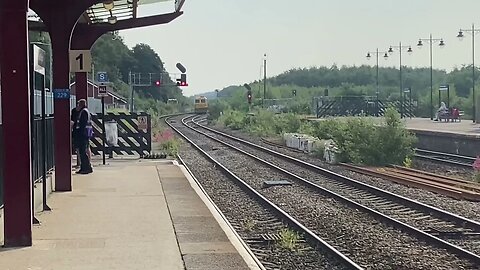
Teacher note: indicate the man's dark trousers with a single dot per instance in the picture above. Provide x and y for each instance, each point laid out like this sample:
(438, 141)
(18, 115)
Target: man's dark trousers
(85, 165)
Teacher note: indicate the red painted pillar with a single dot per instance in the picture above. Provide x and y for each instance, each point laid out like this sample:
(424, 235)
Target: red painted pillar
(16, 123)
(81, 85)
(60, 37)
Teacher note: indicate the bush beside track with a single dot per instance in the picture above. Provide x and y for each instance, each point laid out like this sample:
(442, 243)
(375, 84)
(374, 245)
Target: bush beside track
(360, 140)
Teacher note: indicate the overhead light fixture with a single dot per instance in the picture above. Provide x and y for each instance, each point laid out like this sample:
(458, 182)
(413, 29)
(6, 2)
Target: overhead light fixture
(420, 44)
(112, 20)
(385, 56)
(409, 50)
(108, 4)
(442, 43)
(460, 35)
(390, 50)
(368, 56)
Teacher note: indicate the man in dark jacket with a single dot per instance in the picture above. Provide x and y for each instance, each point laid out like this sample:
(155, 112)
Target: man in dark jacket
(73, 121)
(83, 132)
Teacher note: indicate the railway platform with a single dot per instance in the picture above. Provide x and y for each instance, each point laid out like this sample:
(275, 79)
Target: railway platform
(464, 128)
(130, 214)
(460, 138)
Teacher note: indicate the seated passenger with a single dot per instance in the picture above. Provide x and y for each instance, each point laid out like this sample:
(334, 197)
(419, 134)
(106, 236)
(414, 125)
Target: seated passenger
(455, 113)
(443, 110)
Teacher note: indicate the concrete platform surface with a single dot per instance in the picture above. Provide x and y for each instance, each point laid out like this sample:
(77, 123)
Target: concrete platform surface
(126, 215)
(465, 127)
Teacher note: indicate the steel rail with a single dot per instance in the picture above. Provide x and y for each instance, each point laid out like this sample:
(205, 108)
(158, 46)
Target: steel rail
(237, 236)
(448, 158)
(401, 225)
(292, 221)
(347, 180)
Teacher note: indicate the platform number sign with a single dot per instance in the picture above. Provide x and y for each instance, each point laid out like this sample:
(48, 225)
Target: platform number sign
(61, 93)
(80, 61)
(142, 122)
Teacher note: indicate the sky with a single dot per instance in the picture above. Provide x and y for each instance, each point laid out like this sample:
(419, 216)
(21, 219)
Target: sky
(222, 42)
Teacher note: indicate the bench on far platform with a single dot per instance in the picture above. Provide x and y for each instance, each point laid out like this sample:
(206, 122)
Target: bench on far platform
(452, 115)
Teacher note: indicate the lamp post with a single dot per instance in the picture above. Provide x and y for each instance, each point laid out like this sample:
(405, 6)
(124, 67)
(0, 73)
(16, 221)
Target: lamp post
(460, 35)
(400, 48)
(264, 78)
(431, 41)
(369, 55)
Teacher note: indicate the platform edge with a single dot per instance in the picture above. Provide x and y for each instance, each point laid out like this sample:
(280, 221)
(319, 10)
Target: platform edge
(231, 234)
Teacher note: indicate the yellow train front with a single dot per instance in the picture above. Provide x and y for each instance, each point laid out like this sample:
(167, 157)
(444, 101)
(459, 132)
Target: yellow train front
(201, 104)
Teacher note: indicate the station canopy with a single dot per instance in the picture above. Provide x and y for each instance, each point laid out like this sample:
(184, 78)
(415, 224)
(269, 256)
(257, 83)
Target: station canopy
(112, 11)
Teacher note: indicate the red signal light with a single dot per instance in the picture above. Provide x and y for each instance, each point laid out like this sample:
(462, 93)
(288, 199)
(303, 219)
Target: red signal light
(182, 81)
(157, 83)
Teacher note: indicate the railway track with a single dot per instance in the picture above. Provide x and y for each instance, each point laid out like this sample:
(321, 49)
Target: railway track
(451, 159)
(270, 223)
(429, 223)
(452, 187)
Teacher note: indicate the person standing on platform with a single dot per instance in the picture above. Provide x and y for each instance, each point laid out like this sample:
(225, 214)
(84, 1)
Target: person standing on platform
(73, 120)
(83, 133)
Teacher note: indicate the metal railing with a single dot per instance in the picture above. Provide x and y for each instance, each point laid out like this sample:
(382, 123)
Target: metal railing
(37, 154)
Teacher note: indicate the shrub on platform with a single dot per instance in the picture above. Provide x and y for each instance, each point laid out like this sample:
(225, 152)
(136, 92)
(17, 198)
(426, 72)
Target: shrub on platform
(361, 141)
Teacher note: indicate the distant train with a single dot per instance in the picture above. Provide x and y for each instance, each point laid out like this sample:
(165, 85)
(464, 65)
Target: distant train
(201, 104)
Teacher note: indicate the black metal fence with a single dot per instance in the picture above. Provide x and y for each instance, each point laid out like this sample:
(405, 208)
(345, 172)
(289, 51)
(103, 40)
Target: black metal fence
(37, 153)
(354, 106)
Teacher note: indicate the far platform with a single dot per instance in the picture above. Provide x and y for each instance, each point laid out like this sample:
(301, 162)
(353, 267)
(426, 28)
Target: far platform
(464, 127)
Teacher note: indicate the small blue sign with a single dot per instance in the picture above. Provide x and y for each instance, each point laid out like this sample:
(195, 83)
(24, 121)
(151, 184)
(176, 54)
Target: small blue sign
(61, 93)
(102, 77)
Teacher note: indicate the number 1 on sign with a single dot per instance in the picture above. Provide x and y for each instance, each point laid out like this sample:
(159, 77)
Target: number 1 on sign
(80, 59)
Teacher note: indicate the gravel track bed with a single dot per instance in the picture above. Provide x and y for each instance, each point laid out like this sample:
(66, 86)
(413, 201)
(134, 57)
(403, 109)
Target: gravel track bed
(364, 239)
(250, 219)
(397, 210)
(467, 209)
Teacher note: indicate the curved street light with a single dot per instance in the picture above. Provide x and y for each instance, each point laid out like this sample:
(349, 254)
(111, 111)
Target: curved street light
(400, 48)
(441, 44)
(460, 36)
(369, 55)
